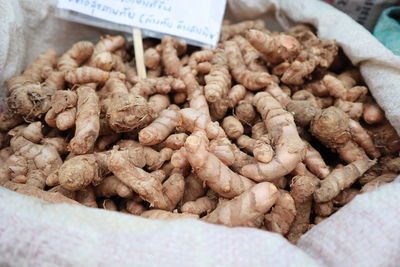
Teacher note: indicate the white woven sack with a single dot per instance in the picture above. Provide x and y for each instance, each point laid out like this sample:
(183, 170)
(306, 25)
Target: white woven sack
(33, 233)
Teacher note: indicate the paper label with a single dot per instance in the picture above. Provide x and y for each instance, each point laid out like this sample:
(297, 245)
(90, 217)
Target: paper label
(190, 19)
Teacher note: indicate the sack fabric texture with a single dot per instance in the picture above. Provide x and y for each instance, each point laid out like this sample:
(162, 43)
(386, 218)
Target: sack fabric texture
(366, 232)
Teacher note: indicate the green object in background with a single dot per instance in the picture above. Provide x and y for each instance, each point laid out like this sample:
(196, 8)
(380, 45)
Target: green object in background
(387, 30)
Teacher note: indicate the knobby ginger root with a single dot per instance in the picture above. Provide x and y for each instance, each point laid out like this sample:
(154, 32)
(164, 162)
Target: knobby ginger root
(169, 56)
(227, 31)
(289, 148)
(260, 148)
(252, 80)
(340, 179)
(345, 196)
(166, 215)
(194, 188)
(160, 128)
(75, 56)
(302, 189)
(251, 56)
(246, 207)
(199, 206)
(86, 197)
(232, 127)
(211, 170)
(373, 114)
(282, 214)
(83, 75)
(112, 186)
(50, 197)
(218, 81)
(274, 48)
(315, 162)
(162, 196)
(87, 120)
(176, 141)
(335, 130)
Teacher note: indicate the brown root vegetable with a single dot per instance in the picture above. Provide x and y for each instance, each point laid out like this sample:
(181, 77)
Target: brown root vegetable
(340, 179)
(112, 186)
(331, 127)
(50, 197)
(302, 189)
(166, 215)
(252, 80)
(169, 57)
(274, 48)
(211, 170)
(199, 206)
(373, 114)
(246, 207)
(282, 214)
(160, 128)
(87, 121)
(232, 127)
(289, 148)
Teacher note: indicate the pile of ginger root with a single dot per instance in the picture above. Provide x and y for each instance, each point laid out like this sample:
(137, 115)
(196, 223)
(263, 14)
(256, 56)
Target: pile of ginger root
(273, 130)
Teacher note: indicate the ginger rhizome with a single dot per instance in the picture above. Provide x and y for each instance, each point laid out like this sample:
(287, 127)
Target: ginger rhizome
(270, 130)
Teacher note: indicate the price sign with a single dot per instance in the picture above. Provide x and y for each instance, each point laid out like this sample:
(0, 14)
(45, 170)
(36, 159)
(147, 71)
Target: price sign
(197, 21)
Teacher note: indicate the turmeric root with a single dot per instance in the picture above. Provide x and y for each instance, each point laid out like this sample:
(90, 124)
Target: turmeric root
(62, 104)
(112, 186)
(274, 48)
(315, 162)
(160, 128)
(227, 31)
(75, 56)
(373, 114)
(251, 56)
(151, 58)
(282, 214)
(345, 196)
(194, 188)
(134, 207)
(199, 206)
(260, 148)
(289, 148)
(125, 111)
(176, 141)
(163, 196)
(218, 81)
(225, 182)
(78, 172)
(331, 127)
(338, 89)
(169, 57)
(340, 179)
(353, 109)
(50, 197)
(87, 121)
(161, 85)
(246, 207)
(232, 127)
(166, 215)
(31, 160)
(252, 80)
(86, 197)
(83, 75)
(302, 189)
